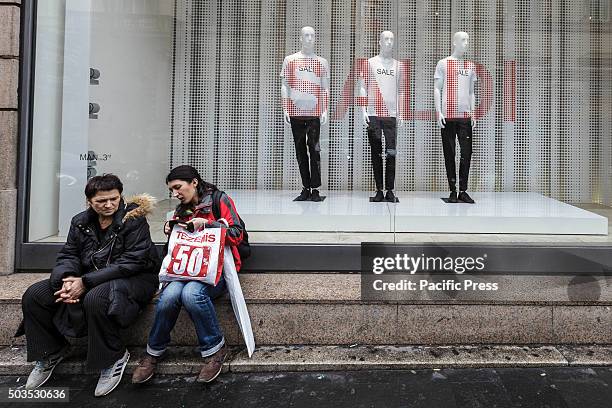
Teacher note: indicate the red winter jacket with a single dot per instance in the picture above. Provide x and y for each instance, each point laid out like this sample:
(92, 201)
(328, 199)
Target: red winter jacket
(234, 231)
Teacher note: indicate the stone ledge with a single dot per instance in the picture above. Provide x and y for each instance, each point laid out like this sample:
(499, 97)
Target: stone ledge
(185, 360)
(586, 355)
(335, 288)
(318, 315)
(181, 360)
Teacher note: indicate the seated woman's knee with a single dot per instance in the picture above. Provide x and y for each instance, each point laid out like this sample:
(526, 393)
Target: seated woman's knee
(96, 301)
(28, 296)
(170, 296)
(194, 292)
(34, 293)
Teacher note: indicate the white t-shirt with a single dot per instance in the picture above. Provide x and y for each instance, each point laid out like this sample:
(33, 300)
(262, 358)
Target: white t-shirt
(382, 82)
(307, 78)
(458, 76)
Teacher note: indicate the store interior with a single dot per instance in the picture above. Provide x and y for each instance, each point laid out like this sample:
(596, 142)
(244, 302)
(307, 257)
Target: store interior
(189, 82)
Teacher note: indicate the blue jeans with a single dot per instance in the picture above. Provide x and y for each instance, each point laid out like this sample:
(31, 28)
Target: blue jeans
(197, 298)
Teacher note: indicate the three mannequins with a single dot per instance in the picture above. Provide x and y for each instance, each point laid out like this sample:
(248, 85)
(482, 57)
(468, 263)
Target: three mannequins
(454, 99)
(305, 94)
(380, 84)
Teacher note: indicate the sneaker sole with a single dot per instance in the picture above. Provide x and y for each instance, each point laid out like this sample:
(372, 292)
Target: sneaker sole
(120, 377)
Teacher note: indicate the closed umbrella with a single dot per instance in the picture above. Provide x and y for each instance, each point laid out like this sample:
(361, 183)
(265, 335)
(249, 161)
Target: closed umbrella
(237, 298)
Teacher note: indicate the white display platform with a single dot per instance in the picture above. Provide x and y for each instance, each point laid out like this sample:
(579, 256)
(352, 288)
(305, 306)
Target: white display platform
(496, 213)
(275, 210)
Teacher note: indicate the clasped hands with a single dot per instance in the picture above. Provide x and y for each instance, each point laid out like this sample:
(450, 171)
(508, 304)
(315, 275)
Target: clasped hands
(72, 289)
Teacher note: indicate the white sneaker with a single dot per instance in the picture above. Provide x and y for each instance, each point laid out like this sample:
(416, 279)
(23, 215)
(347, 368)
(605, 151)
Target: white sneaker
(111, 377)
(43, 369)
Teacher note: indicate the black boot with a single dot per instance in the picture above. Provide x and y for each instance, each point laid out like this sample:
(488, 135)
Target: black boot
(390, 197)
(452, 198)
(304, 195)
(378, 197)
(314, 196)
(465, 198)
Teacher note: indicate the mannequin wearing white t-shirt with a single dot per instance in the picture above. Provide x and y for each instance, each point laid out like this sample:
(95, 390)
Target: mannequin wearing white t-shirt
(380, 85)
(454, 100)
(305, 96)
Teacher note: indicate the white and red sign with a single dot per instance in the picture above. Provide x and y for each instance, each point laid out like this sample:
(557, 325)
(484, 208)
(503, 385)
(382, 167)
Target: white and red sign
(194, 255)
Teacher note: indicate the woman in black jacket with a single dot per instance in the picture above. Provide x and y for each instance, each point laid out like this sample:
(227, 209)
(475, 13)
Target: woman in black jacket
(105, 273)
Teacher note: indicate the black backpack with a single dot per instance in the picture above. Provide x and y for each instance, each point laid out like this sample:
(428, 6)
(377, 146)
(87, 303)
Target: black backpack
(244, 249)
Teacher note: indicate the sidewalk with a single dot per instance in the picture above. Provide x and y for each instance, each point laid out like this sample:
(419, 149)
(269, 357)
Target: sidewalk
(555, 387)
(185, 360)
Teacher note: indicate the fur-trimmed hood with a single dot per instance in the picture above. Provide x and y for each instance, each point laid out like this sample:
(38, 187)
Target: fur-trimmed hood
(139, 205)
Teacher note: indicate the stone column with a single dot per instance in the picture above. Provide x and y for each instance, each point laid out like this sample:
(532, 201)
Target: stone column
(9, 78)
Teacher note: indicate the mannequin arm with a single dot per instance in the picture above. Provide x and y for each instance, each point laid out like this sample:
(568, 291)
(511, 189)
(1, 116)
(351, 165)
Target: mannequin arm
(364, 115)
(285, 100)
(400, 101)
(364, 109)
(325, 88)
(472, 104)
(325, 106)
(438, 84)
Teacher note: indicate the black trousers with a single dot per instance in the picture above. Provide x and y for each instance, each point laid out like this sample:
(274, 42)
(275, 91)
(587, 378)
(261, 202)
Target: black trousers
(306, 133)
(462, 130)
(104, 344)
(376, 128)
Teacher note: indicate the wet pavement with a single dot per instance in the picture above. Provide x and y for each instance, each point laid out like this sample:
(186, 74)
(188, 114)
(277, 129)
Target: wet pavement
(557, 387)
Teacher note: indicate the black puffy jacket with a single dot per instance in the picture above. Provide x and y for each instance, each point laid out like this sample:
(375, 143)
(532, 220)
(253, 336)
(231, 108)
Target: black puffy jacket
(128, 258)
(127, 252)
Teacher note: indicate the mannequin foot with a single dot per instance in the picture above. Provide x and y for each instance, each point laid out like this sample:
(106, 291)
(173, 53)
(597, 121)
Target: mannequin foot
(314, 196)
(304, 195)
(465, 198)
(452, 198)
(390, 197)
(378, 197)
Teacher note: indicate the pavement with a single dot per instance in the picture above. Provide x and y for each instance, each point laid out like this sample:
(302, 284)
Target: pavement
(553, 387)
(186, 360)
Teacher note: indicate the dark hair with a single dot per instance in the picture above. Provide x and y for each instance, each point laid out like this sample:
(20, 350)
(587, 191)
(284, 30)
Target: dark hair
(188, 173)
(105, 182)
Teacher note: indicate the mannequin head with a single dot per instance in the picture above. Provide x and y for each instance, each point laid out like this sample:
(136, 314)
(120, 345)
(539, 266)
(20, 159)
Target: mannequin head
(386, 42)
(307, 38)
(460, 42)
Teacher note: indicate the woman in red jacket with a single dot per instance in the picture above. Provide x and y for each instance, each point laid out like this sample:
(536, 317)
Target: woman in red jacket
(196, 207)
